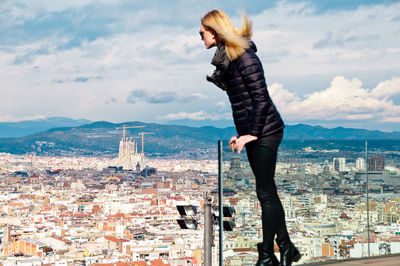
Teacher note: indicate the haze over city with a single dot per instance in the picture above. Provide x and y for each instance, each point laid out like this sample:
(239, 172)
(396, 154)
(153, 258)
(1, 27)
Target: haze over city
(329, 63)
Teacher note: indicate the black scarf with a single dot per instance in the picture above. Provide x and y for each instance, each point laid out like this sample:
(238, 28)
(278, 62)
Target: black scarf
(221, 63)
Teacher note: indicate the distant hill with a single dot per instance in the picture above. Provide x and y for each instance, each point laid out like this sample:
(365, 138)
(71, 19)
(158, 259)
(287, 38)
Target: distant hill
(102, 138)
(26, 128)
(301, 131)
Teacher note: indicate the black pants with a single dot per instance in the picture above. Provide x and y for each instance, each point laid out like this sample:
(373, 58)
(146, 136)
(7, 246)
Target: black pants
(262, 155)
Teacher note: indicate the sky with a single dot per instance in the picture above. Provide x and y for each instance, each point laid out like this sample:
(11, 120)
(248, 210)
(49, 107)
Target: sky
(329, 63)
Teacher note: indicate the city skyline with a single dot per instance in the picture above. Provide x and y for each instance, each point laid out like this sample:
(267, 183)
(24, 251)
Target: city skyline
(330, 64)
(81, 209)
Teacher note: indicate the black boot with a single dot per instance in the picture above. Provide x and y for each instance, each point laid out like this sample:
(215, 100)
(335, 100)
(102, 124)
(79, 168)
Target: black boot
(266, 257)
(289, 253)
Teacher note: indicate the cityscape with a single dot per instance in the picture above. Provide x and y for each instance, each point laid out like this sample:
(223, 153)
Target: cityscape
(324, 197)
(81, 211)
(94, 211)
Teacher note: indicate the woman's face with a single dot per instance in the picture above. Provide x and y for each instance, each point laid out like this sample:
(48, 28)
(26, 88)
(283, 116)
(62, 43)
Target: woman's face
(208, 37)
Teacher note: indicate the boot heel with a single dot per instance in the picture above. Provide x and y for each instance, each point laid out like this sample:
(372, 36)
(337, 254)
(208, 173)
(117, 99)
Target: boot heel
(297, 257)
(289, 254)
(266, 257)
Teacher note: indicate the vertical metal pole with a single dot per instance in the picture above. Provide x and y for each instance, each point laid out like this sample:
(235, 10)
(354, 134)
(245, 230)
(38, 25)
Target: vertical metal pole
(366, 178)
(208, 230)
(220, 205)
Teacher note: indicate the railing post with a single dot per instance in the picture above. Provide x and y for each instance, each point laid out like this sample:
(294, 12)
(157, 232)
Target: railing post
(220, 204)
(208, 229)
(366, 180)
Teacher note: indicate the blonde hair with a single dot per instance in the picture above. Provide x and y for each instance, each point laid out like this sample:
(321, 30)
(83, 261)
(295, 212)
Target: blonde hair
(236, 40)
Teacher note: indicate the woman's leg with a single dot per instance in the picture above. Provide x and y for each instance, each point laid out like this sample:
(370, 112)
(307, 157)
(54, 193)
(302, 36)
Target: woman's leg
(262, 156)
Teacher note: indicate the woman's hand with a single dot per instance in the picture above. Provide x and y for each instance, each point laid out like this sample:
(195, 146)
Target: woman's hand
(238, 143)
(232, 143)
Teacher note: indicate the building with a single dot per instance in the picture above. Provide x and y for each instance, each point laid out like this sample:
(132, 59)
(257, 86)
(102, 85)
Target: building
(128, 156)
(384, 177)
(376, 163)
(339, 164)
(27, 247)
(360, 164)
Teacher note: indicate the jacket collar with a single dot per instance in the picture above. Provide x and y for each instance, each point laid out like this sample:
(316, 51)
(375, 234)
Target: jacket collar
(220, 59)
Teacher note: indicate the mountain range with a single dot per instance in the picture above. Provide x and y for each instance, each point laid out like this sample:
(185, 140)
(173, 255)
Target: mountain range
(102, 138)
(26, 128)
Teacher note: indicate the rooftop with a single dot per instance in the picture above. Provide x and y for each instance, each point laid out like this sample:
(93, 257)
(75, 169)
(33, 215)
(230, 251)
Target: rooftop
(387, 260)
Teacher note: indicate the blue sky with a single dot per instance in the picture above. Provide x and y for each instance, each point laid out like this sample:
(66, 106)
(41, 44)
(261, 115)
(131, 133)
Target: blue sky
(329, 63)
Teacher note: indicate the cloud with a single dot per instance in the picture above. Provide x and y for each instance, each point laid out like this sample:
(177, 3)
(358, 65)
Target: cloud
(341, 39)
(78, 79)
(159, 97)
(221, 105)
(387, 88)
(142, 95)
(344, 99)
(296, 39)
(111, 100)
(391, 119)
(200, 115)
(358, 117)
(282, 95)
(8, 118)
(199, 96)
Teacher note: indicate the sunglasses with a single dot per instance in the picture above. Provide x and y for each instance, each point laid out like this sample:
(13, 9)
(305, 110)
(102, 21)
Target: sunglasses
(201, 34)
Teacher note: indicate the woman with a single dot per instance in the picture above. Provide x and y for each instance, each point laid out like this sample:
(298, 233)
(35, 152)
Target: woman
(258, 123)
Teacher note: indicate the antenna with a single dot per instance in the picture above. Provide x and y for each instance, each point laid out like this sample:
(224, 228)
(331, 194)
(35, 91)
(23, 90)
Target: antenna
(144, 133)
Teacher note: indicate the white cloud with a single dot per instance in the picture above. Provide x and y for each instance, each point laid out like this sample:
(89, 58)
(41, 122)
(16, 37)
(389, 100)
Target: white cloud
(200, 115)
(199, 96)
(345, 99)
(292, 40)
(20, 9)
(282, 95)
(8, 118)
(220, 104)
(358, 116)
(391, 119)
(387, 88)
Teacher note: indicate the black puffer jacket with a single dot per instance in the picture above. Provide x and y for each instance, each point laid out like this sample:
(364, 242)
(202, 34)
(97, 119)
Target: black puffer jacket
(243, 79)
